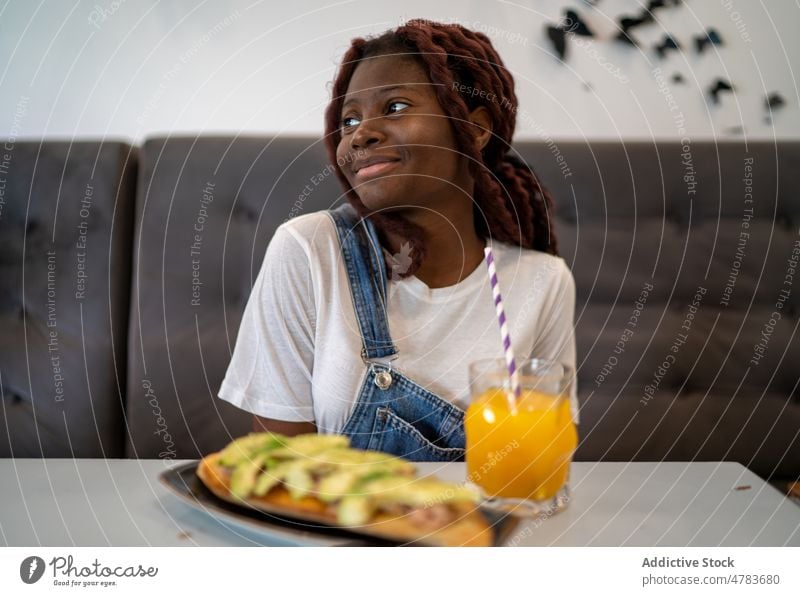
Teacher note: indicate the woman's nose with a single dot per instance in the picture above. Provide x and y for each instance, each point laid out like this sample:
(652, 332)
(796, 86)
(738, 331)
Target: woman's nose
(368, 133)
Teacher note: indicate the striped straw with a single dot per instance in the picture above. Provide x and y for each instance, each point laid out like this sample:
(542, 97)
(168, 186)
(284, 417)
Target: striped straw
(501, 318)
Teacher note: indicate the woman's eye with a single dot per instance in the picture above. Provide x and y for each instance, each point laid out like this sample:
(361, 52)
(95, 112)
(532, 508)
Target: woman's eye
(397, 103)
(351, 121)
(348, 122)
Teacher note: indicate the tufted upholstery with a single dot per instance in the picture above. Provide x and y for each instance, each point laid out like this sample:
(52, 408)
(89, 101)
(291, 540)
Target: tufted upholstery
(627, 219)
(66, 217)
(627, 224)
(182, 333)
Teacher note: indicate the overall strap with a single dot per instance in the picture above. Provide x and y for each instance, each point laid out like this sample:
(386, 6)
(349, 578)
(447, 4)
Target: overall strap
(366, 271)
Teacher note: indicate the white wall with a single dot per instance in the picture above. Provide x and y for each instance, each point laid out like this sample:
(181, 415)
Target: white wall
(131, 68)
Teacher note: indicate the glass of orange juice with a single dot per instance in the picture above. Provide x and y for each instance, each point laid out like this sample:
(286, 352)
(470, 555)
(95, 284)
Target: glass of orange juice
(519, 448)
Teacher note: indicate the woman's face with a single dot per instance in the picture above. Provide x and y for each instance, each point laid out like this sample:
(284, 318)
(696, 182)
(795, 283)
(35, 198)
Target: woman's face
(392, 120)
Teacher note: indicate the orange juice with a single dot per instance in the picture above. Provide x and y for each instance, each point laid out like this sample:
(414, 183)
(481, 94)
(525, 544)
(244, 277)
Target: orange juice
(522, 452)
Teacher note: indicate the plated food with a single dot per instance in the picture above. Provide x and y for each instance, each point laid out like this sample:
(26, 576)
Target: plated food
(321, 479)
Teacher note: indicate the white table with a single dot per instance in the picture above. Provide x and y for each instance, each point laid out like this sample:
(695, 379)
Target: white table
(95, 502)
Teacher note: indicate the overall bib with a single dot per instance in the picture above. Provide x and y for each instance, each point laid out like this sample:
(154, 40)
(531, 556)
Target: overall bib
(392, 413)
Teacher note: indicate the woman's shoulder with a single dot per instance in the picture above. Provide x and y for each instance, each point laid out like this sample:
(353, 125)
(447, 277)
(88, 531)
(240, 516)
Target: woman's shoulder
(546, 275)
(534, 262)
(313, 232)
(307, 242)
(309, 225)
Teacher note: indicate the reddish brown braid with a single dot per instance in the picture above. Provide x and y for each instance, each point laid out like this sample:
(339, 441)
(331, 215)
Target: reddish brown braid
(510, 204)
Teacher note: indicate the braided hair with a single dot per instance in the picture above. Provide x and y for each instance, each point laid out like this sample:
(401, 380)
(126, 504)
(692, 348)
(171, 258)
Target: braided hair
(509, 202)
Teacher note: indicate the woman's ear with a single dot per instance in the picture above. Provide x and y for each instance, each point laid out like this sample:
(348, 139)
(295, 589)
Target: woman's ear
(482, 130)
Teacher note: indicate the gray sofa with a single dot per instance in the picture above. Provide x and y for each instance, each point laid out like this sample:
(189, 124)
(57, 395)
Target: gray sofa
(124, 272)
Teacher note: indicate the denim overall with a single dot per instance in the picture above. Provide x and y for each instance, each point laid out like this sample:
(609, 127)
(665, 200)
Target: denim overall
(392, 413)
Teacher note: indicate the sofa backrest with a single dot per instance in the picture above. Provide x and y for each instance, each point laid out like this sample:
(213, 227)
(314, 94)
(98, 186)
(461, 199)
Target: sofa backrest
(66, 220)
(684, 257)
(682, 254)
(671, 303)
(206, 210)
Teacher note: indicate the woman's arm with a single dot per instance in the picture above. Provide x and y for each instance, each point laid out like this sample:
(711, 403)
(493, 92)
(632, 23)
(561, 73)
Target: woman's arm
(289, 429)
(270, 372)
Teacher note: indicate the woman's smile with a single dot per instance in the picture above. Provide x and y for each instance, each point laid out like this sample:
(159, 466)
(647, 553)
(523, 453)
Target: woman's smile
(374, 170)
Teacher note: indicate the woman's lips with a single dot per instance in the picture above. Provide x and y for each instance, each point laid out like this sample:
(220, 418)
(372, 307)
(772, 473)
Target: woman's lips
(374, 170)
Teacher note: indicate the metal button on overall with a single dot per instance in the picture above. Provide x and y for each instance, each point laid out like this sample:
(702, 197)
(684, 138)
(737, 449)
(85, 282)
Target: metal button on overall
(383, 379)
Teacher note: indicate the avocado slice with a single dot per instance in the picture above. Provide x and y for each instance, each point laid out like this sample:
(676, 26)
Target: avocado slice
(245, 447)
(346, 466)
(355, 511)
(267, 481)
(296, 474)
(310, 444)
(347, 481)
(417, 492)
(243, 479)
(298, 482)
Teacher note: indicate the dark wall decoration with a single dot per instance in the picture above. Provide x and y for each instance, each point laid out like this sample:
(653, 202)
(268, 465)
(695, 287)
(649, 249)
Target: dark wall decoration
(575, 24)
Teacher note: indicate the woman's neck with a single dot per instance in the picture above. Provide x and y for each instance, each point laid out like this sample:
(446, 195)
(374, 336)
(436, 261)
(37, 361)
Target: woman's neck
(453, 247)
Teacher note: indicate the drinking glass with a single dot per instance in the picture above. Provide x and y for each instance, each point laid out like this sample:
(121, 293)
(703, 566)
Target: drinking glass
(519, 447)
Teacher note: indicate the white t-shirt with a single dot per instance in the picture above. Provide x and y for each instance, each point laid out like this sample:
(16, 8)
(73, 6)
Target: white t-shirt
(298, 352)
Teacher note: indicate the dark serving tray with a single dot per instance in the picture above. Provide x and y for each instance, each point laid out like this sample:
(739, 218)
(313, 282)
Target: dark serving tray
(184, 483)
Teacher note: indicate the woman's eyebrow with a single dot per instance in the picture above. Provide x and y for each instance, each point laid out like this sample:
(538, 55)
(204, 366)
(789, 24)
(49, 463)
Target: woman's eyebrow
(384, 91)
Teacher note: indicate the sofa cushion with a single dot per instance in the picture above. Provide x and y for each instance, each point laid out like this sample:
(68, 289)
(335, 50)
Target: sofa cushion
(206, 209)
(66, 219)
(681, 261)
(652, 232)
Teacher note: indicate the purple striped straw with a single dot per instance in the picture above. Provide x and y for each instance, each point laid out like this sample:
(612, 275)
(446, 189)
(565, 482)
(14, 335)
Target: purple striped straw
(511, 363)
